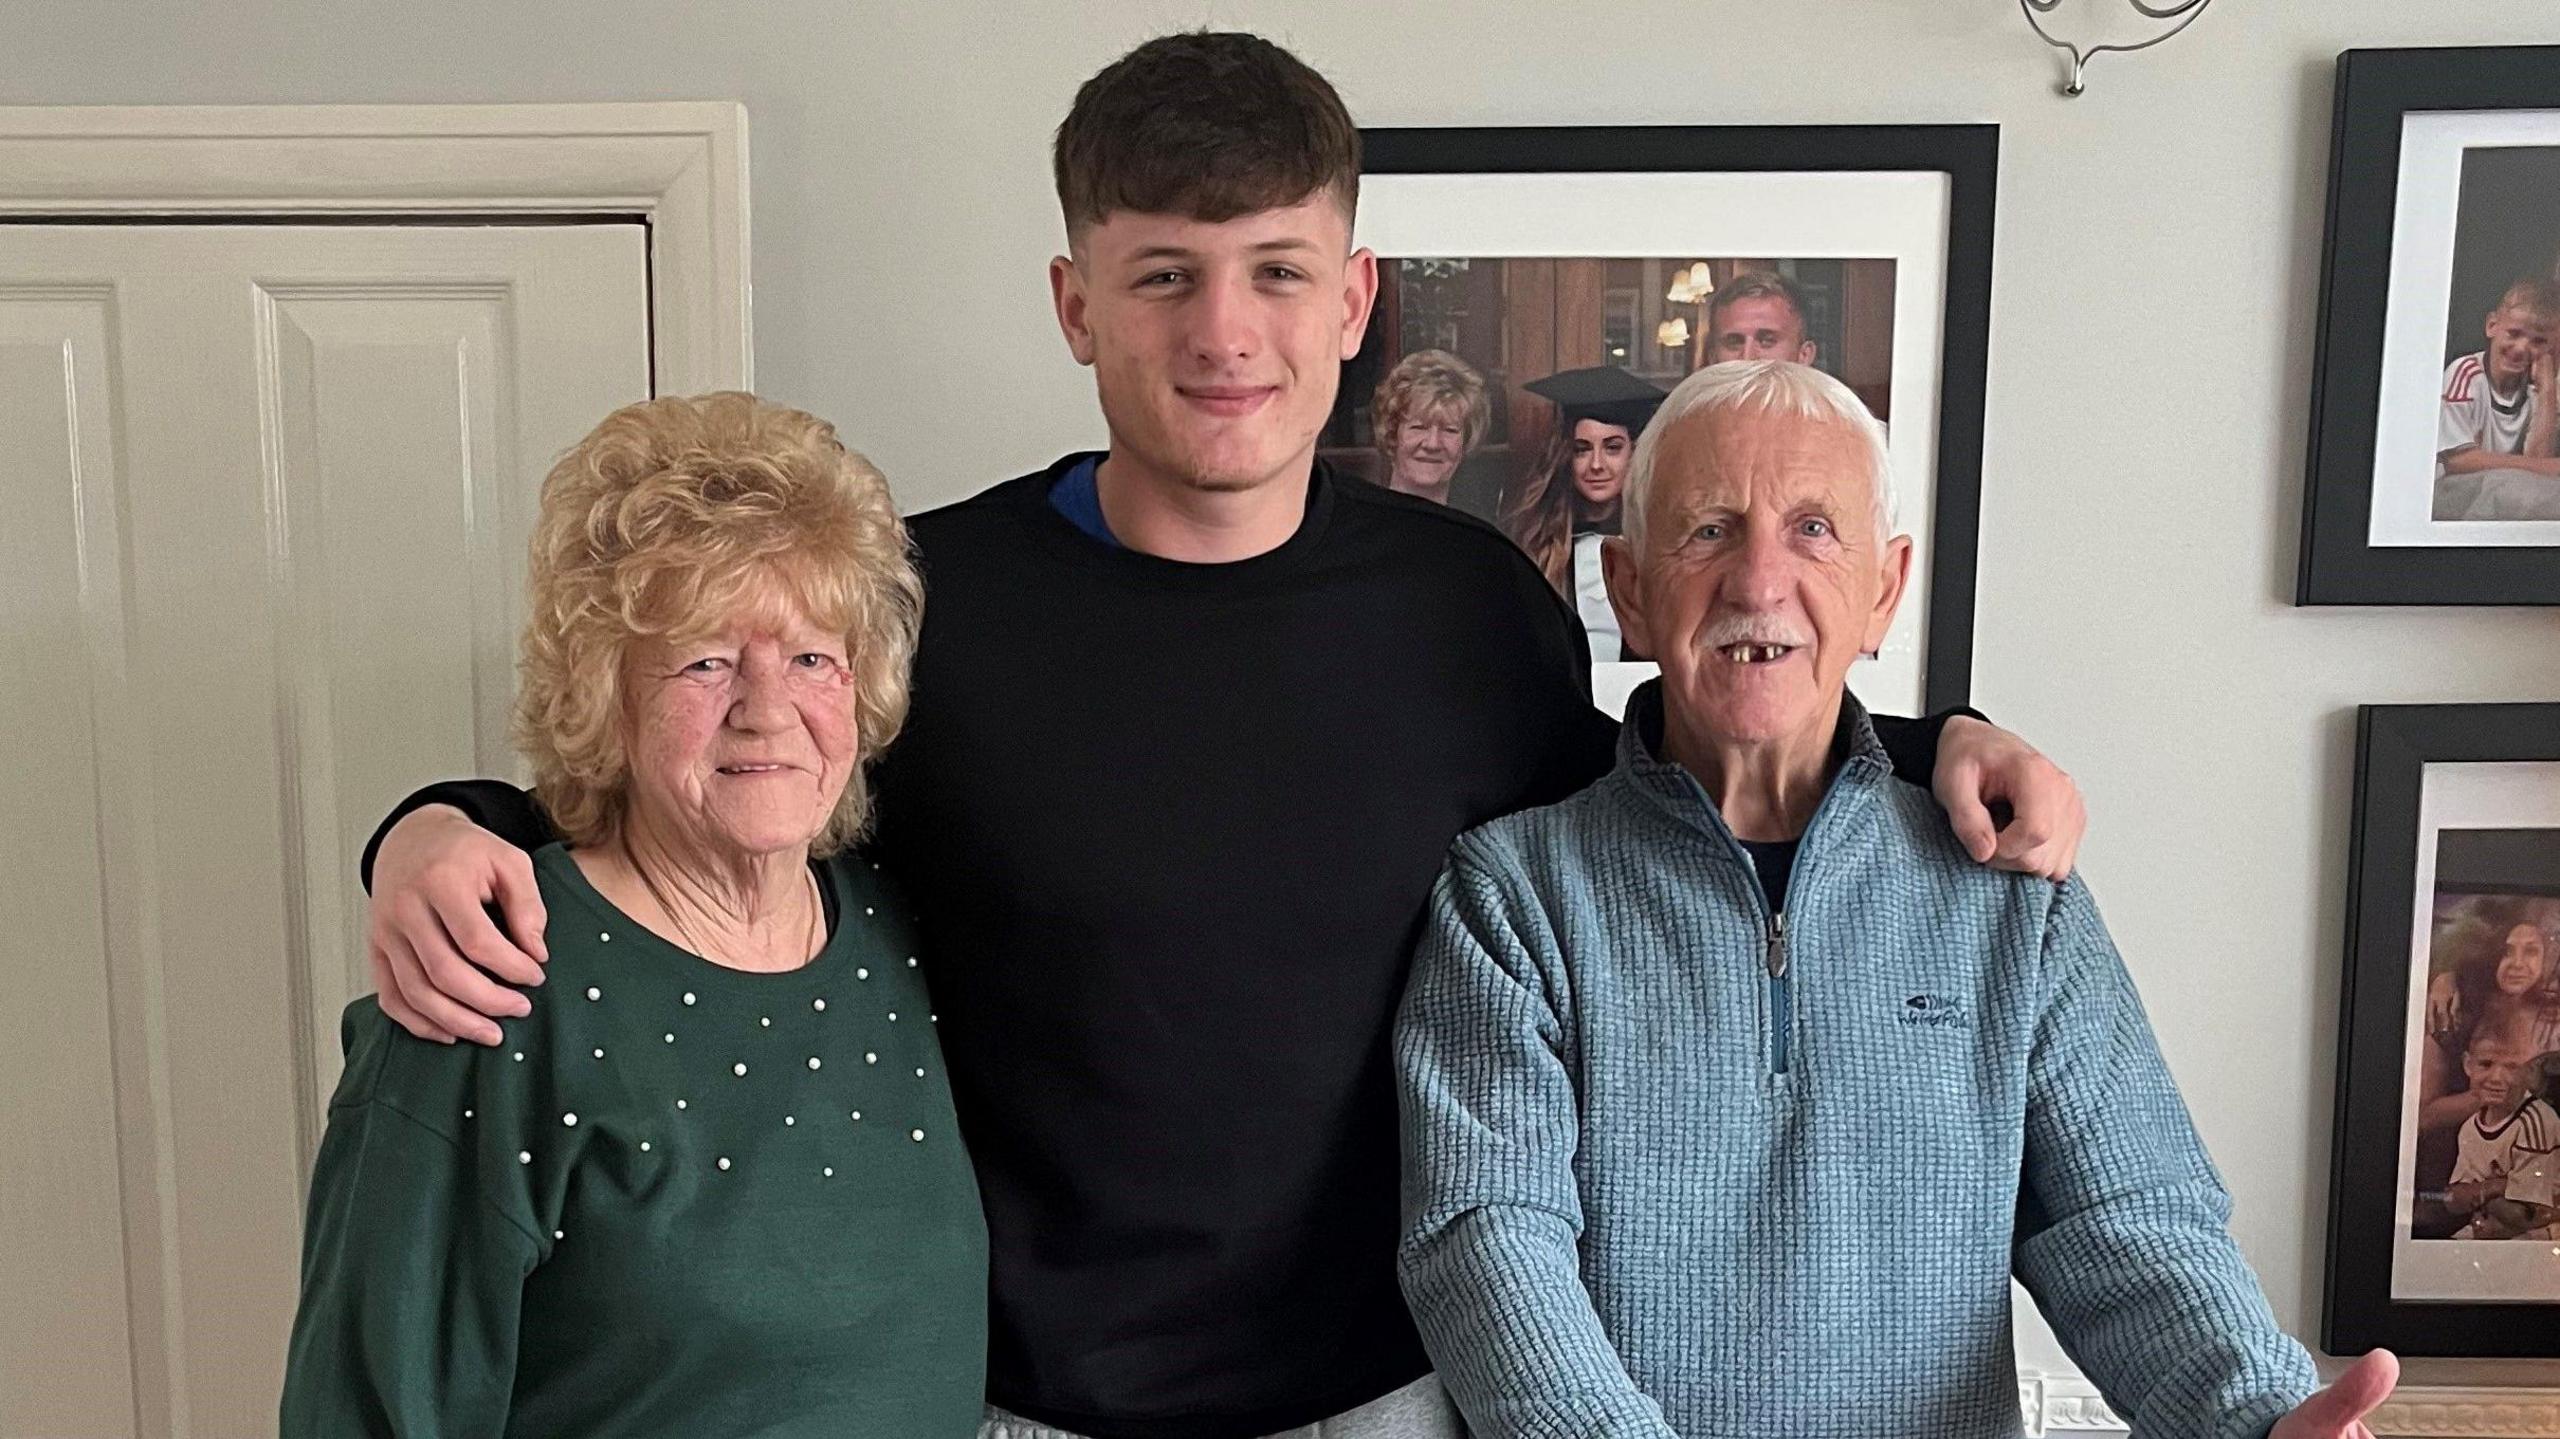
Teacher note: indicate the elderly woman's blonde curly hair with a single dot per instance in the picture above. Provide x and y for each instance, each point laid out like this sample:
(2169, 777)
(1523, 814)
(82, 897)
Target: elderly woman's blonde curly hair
(1421, 383)
(671, 519)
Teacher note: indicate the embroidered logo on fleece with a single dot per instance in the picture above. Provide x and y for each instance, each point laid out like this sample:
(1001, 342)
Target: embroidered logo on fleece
(1935, 1011)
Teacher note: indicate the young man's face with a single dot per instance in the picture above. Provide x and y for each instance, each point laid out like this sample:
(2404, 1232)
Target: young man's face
(1762, 327)
(1216, 348)
(2516, 339)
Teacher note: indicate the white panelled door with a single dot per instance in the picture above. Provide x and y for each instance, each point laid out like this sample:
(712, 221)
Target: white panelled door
(264, 496)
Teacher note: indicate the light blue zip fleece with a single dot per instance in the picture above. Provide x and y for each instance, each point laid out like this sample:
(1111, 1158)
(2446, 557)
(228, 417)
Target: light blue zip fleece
(1666, 1173)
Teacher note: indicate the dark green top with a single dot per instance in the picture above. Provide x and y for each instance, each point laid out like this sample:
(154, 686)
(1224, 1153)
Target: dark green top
(679, 1199)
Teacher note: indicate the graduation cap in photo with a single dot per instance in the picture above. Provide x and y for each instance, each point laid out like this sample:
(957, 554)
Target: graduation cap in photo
(1601, 392)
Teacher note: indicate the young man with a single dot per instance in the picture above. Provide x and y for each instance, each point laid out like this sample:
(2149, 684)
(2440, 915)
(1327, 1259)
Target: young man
(1759, 315)
(1194, 724)
(2497, 446)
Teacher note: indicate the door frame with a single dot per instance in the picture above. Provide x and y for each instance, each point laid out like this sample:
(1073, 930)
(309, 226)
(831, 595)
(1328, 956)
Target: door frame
(679, 166)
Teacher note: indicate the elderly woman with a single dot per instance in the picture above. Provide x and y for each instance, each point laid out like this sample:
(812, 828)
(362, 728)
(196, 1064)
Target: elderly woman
(1735, 1093)
(711, 1183)
(1427, 415)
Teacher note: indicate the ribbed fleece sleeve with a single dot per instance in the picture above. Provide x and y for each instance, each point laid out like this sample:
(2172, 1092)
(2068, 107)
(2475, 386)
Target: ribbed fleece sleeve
(1488, 1261)
(2122, 1236)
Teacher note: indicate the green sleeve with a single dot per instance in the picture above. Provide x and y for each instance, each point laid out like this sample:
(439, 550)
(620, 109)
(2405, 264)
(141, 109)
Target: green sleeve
(412, 1280)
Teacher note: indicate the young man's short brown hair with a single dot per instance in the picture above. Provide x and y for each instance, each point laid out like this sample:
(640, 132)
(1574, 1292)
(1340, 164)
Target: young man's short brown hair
(1758, 285)
(1209, 125)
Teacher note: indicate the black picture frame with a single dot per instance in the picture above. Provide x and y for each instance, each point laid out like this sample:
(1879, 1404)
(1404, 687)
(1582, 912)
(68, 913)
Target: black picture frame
(2394, 745)
(1969, 155)
(2376, 89)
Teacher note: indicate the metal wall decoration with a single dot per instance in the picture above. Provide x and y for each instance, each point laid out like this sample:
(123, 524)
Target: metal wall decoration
(2182, 12)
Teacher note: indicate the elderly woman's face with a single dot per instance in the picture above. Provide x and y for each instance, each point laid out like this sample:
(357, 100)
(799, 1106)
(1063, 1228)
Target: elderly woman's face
(741, 743)
(1763, 574)
(2522, 962)
(1428, 446)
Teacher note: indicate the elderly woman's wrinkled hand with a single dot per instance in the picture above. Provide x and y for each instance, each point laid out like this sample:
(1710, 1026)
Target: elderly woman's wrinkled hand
(430, 935)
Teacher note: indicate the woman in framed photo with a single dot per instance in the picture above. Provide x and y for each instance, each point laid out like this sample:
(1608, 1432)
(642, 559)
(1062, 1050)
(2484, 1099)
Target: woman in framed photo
(1430, 413)
(1570, 501)
(2503, 949)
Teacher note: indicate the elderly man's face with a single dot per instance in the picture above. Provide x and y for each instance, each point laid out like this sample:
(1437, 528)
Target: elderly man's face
(1762, 576)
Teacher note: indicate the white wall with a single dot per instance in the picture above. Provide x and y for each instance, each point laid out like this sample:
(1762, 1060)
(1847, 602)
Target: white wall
(2151, 356)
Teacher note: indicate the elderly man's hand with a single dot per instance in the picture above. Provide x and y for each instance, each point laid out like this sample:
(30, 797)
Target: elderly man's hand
(2338, 1411)
(430, 935)
(1981, 765)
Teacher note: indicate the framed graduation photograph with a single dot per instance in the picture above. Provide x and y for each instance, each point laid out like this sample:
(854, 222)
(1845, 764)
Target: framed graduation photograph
(1542, 290)
(2444, 1233)
(2435, 441)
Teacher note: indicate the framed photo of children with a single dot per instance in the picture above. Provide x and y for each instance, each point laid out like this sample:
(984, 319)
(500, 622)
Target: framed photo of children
(1542, 290)
(2444, 1234)
(2435, 441)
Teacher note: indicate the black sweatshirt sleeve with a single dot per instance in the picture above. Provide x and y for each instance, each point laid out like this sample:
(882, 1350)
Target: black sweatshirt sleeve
(511, 814)
(515, 816)
(1913, 743)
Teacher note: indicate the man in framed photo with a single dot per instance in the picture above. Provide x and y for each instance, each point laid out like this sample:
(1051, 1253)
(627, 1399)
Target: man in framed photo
(1759, 315)
(1194, 722)
(2498, 420)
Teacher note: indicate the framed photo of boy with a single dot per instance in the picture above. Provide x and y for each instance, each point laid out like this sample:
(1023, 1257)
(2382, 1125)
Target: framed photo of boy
(2435, 434)
(2444, 1228)
(1541, 290)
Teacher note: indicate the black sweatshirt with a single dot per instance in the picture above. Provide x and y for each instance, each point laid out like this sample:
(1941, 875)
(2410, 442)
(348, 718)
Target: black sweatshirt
(1169, 829)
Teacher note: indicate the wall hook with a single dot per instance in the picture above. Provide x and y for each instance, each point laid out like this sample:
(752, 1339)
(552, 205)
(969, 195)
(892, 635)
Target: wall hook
(2182, 11)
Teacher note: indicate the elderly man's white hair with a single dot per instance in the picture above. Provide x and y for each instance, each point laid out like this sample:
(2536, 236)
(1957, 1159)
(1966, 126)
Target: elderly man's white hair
(1778, 386)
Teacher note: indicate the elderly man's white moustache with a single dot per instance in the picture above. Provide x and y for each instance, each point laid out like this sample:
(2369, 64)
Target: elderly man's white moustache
(1746, 639)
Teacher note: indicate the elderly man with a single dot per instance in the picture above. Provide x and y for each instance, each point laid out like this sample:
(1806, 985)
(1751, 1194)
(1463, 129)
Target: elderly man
(1734, 1094)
